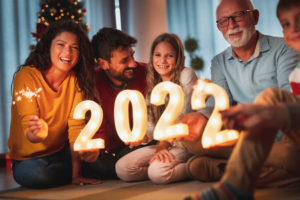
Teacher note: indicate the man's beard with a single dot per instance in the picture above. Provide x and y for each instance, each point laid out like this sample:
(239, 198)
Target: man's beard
(247, 34)
(122, 77)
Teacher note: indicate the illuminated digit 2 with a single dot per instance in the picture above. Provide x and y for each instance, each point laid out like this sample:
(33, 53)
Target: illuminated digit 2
(212, 136)
(165, 127)
(84, 141)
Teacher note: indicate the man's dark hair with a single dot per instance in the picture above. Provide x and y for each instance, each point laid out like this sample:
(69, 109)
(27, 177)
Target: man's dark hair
(109, 39)
(285, 5)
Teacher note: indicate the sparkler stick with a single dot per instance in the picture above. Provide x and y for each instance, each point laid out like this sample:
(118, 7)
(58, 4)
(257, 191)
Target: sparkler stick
(27, 94)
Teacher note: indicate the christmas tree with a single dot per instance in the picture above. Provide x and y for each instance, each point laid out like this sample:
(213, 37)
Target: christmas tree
(55, 10)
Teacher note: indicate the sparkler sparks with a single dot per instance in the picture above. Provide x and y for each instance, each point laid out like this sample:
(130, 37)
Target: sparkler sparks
(28, 94)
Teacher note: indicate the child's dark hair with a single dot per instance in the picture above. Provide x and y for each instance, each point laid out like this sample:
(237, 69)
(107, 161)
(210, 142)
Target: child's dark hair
(285, 5)
(109, 39)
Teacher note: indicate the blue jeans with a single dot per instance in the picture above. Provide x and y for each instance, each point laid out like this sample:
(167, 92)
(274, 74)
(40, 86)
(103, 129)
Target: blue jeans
(44, 172)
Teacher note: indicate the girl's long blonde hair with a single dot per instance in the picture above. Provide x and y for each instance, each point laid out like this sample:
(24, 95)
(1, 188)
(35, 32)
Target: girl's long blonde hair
(153, 78)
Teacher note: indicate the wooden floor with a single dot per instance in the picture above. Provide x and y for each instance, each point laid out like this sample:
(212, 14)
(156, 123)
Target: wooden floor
(127, 191)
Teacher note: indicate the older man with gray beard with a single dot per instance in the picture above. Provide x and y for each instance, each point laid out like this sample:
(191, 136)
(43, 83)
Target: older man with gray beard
(251, 64)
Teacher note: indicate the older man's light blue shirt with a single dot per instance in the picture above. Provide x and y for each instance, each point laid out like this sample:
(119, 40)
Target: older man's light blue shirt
(243, 81)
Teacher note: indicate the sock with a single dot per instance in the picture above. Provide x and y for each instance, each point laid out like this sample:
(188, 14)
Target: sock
(220, 191)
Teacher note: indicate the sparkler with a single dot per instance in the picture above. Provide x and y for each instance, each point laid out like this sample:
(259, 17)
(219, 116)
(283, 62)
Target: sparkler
(28, 94)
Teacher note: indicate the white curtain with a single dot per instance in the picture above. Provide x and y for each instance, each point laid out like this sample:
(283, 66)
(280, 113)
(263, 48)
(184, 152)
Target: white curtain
(18, 19)
(100, 13)
(144, 20)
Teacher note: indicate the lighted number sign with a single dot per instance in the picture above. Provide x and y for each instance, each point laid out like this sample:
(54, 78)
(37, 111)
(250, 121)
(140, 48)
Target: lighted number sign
(139, 110)
(165, 127)
(212, 136)
(84, 141)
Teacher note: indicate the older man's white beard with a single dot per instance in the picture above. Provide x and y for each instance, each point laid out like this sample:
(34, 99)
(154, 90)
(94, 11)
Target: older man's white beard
(247, 33)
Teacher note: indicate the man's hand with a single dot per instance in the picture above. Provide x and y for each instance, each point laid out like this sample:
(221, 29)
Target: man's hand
(89, 155)
(37, 129)
(196, 123)
(137, 143)
(133, 144)
(255, 117)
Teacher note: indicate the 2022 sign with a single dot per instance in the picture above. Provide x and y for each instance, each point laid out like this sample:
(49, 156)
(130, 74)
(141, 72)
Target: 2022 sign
(166, 128)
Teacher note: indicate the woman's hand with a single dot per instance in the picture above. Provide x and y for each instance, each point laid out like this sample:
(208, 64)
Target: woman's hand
(89, 155)
(77, 178)
(80, 180)
(37, 129)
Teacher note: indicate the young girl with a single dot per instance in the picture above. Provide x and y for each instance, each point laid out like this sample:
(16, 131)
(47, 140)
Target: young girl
(60, 71)
(162, 163)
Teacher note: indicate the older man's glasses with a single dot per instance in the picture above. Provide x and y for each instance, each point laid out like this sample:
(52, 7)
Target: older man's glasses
(236, 17)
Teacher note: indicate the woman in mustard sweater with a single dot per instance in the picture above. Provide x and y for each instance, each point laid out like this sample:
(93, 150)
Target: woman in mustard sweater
(60, 73)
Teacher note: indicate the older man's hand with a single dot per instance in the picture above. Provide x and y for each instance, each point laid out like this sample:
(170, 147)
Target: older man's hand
(196, 123)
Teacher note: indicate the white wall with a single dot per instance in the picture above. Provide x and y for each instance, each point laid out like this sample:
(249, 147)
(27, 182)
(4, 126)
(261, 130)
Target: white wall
(147, 19)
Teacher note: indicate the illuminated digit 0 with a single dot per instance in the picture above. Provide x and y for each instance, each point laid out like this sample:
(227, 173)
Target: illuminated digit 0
(139, 110)
(84, 141)
(164, 128)
(212, 136)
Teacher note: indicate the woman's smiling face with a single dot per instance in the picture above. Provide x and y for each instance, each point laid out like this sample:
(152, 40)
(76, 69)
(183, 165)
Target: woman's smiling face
(64, 51)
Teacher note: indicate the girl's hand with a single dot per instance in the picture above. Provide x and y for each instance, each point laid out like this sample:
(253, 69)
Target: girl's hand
(162, 153)
(163, 156)
(80, 180)
(37, 129)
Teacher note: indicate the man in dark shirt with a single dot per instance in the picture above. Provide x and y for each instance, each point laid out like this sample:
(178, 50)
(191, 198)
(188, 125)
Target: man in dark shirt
(117, 70)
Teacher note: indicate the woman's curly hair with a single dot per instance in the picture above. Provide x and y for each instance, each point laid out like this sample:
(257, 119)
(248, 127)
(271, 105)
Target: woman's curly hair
(84, 69)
